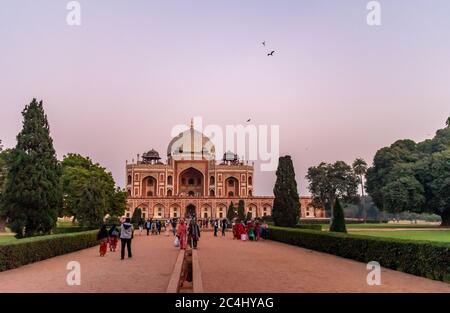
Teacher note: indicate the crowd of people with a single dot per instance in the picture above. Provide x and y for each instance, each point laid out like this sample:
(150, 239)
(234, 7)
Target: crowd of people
(252, 230)
(186, 232)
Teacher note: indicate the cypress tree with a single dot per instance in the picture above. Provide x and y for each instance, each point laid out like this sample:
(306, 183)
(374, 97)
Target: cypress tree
(286, 205)
(32, 195)
(230, 213)
(338, 223)
(241, 210)
(136, 217)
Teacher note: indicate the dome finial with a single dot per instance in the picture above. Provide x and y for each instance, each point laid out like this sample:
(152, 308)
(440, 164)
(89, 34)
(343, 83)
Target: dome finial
(192, 123)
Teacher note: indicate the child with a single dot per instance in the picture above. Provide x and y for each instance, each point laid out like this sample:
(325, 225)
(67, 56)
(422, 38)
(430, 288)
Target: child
(113, 238)
(102, 236)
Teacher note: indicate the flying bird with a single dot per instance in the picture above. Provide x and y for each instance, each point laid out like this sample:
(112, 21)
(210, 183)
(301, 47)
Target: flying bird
(271, 53)
(249, 120)
(264, 43)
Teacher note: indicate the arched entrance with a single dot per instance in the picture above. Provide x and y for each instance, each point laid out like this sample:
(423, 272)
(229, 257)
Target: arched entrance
(191, 182)
(190, 211)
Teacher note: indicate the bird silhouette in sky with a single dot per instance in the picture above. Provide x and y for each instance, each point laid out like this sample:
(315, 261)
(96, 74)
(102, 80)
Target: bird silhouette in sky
(249, 120)
(271, 53)
(264, 43)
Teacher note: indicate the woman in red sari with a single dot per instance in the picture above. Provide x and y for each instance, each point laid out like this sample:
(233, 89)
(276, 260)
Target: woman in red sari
(103, 236)
(181, 234)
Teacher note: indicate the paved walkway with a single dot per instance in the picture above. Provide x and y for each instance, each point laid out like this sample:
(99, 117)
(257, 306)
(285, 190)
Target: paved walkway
(227, 265)
(266, 266)
(148, 270)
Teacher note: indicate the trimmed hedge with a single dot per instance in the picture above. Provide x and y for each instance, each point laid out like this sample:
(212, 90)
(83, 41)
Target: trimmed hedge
(311, 221)
(309, 226)
(71, 229)
(29, 250)
(421, 258)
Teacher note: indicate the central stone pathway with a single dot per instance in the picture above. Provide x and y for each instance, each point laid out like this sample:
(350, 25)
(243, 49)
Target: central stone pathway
(229, 265)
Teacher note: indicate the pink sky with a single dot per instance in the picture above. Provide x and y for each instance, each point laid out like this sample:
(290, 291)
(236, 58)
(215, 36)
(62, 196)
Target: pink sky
(116, 85)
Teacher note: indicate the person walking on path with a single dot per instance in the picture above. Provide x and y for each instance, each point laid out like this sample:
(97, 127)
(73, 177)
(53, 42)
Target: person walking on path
(148, 226)
(166, 227)
(141, 226)
(113, 238)
(158, 226)
(126, 235)
(224, 225)
(103, 237)
(174, 226)
(216, 227)
(194, 234)
(257, 230)
(181, 234)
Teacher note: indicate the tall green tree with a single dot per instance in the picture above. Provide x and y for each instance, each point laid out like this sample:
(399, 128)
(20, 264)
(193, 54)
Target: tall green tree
(409, 176)
(241, 210)
(338, 223)
(360, 170)
(327, 182)
(231, 213)
(32, 195)
(79, 173)
(91, 206)
(286, 205)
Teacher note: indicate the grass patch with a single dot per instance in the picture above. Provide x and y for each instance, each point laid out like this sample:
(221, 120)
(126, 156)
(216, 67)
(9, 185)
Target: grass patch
(426, 235)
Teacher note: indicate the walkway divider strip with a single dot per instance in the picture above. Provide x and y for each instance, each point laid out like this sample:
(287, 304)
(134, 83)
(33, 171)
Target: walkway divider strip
(196, 273)
(174, 283)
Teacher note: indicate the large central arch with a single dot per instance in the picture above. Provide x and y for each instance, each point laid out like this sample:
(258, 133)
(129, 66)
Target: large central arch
(191, 182)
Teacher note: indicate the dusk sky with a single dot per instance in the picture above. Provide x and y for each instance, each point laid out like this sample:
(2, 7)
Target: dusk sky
(116, 85)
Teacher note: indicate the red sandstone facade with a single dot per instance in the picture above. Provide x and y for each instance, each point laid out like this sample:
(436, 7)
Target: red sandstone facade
(192, 182)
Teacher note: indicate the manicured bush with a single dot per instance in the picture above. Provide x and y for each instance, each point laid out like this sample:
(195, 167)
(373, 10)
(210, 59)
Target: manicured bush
(306, 226)
(33, 249)
(71, 229)
(421, 258)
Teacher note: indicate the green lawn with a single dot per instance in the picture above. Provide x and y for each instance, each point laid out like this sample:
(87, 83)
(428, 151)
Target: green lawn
(7, 239)
(384, 225)
(429, 235)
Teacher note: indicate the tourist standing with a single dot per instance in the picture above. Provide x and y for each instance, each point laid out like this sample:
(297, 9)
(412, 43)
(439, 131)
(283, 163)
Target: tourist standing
(181, 234)
(194, 234)
(158, 226)
(148, 226)
(224, 225)
(126, 235)
(102, 236)
(257, 230)
(113, 238)
(250, 230)
(216, 227)
(174, 226)
(166, 227)
(266, 231)
(141, 226)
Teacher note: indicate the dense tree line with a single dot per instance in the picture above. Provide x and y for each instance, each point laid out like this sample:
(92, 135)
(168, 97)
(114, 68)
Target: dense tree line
(410, 176)
(36, 188)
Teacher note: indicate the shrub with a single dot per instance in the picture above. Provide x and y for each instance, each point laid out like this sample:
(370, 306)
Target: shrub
(29, 250)
(421, 258)
(71, 229)
(306, 226)
(338, 223)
